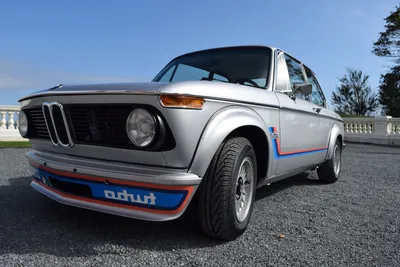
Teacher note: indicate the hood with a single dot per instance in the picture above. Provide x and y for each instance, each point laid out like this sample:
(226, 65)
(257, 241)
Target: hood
(219, 90)
(65, 89)
(143, 87)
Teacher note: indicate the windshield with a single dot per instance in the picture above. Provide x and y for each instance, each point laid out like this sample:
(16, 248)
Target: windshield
(241, 65)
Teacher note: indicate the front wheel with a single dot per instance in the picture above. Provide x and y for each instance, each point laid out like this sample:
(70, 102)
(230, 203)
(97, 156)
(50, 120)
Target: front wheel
(329, 172)
(227, 191)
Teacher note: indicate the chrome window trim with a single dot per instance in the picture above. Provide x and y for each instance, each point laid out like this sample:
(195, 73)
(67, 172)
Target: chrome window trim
(282, 78)
(319, 88)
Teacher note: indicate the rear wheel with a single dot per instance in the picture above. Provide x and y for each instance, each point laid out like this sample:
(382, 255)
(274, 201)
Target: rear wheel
(227, 191)
(329, 172)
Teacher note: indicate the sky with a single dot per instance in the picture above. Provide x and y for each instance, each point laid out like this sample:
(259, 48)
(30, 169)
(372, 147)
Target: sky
(45, 43)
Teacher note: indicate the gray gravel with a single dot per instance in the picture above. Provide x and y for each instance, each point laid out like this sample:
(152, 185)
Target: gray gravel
(354, 222)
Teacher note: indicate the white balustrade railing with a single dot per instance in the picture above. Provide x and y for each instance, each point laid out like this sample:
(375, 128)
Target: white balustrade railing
(9, 123)
(374, 130)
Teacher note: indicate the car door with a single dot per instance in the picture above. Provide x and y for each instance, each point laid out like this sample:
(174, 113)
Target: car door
(297, 142)
(319, 101)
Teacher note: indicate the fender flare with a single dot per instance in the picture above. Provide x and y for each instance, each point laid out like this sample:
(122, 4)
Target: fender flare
(220, 125)
(335, 132)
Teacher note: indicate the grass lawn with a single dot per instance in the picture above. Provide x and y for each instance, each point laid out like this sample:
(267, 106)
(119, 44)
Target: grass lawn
(14, 144)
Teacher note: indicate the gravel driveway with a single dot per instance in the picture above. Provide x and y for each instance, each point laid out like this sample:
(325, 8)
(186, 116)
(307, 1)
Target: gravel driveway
(354, 222)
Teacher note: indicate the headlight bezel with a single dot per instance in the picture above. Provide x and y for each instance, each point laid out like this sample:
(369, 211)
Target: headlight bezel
(21, 115)
(156, 124)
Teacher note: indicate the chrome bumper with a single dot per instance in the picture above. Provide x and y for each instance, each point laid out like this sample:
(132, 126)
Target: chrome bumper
(148, 193)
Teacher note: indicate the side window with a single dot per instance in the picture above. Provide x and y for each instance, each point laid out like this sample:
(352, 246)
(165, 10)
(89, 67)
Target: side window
(295, 70)
(296, 75)
(317, 96)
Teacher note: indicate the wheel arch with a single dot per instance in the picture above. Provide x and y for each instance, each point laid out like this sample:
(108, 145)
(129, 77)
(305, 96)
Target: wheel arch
(336, 134)
(233, 121)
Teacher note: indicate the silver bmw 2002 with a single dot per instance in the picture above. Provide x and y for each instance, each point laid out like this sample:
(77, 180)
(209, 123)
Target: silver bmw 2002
(215, 124)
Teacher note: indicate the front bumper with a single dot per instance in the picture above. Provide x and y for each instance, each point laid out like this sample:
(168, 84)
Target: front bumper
(141, 192)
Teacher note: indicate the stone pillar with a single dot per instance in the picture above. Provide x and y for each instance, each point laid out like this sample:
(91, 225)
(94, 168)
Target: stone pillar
(11, 120)
(381, 130)
(3, 122)
(394, 135)
(8, 124)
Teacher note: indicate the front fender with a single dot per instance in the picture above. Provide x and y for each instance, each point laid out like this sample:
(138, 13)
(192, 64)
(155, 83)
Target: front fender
(335, 132)
(221, 124)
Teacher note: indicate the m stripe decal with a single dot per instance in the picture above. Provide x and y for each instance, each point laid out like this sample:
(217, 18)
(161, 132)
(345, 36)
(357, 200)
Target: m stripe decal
(279, 154)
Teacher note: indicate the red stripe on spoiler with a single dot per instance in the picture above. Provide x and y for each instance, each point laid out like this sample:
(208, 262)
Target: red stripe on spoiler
(190, 190)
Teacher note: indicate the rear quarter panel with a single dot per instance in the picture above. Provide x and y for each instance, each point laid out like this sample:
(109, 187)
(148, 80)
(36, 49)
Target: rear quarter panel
(332, 127)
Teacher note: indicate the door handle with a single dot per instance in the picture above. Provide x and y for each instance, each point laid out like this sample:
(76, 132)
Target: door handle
(317, 109)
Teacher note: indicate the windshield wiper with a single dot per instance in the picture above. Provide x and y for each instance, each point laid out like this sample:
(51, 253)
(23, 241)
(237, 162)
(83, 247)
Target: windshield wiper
(212, 79)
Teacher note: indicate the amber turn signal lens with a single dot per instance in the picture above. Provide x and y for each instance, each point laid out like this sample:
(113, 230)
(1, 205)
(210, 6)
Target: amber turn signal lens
(179, 101)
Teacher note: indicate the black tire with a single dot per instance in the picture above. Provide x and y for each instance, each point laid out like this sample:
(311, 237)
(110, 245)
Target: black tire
(327, 172)
(218, 190)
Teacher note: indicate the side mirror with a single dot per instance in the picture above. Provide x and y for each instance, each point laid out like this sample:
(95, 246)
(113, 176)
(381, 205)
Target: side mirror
(302, 88)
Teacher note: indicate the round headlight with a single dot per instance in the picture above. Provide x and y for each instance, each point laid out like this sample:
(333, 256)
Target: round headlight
(22, 123)
(141, 127)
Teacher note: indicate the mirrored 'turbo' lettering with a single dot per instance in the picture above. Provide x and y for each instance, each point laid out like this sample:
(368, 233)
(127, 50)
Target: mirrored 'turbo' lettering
(125, 196)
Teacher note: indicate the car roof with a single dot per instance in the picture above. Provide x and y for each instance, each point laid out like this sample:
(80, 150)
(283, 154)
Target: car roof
(226, 48)
(243, 47)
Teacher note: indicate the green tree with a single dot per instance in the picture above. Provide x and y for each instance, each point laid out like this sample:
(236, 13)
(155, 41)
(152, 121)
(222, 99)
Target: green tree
(354, 96)
(388, 44)
(389, 92)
